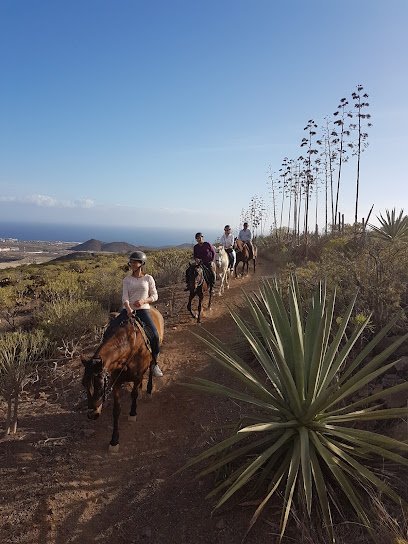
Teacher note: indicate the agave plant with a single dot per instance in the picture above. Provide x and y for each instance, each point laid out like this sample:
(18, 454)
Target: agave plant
(392, 228)
(303, 435)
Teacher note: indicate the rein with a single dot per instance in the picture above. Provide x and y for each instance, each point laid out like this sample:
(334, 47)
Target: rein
(106, 379)
(107, 376)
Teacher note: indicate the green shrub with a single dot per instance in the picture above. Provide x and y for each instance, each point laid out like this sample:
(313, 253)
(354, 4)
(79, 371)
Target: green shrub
(104, 287)
(62, 286)
(68, 320)
(168, 266)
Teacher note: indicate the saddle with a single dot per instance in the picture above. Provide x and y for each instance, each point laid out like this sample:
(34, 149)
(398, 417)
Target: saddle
(120, 321)
(145, 331)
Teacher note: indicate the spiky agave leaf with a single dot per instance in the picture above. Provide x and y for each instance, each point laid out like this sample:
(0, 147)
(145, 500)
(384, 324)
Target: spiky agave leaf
(392, 228)
(305, 435)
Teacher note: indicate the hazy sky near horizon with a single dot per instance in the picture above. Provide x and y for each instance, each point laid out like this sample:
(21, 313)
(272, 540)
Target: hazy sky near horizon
(170, 113)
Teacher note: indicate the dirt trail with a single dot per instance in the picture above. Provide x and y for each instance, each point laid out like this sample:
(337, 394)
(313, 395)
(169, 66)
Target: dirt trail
(59, 486)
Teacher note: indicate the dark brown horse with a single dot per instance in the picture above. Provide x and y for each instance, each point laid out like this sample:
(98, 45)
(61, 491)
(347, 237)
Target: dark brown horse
(198, 284)
(124, 356)
(244, 255)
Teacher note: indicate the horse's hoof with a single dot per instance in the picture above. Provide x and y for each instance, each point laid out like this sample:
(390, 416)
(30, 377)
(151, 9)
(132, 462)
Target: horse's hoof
(113, 450)
(132, 419)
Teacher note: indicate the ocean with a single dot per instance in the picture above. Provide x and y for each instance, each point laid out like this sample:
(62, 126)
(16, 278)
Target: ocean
(139, 236)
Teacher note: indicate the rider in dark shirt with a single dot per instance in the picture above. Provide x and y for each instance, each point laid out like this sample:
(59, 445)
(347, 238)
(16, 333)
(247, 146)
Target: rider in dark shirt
(204, 253)
(203, 250)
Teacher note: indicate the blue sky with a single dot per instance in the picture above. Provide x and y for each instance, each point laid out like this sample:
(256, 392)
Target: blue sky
(169, 113)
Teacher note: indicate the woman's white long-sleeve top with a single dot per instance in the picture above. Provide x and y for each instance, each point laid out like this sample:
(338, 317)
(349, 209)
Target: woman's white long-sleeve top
(139, 289)
(227, 241)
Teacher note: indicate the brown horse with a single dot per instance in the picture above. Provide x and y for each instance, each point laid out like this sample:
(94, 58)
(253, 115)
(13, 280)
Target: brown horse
(244, 255)
(124, 356)
(198, 284)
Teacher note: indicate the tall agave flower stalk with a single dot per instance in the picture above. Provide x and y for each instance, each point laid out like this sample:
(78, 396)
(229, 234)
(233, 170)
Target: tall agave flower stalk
(304, 438)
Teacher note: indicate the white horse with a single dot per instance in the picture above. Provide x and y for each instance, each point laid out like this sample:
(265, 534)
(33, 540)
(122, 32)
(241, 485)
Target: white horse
(222, 268)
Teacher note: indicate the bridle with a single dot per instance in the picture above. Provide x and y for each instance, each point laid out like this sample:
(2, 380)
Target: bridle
(106, 378)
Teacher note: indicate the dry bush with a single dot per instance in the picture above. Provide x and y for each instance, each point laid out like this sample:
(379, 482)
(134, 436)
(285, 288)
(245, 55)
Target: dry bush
(375, 269)
(19, 353)
(62, 286)
(168, 266)
(68, 320)
(104, 287)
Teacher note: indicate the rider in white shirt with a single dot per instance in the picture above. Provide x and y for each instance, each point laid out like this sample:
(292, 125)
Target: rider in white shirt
(227, 241)
(245, 235)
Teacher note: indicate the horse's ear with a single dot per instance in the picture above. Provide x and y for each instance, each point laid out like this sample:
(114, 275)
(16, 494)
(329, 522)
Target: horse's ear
(83, 360)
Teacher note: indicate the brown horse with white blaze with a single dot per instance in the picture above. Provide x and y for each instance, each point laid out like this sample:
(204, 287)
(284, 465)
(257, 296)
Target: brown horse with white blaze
(124, 356)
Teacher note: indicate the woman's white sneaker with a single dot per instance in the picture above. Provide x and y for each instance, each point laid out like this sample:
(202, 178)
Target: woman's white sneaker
(157, 373)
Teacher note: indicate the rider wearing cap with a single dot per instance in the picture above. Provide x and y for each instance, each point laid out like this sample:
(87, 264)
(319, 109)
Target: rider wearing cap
(139, 290)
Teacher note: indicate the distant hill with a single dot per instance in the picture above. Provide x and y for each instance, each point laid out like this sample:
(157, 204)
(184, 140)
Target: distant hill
(112, 247)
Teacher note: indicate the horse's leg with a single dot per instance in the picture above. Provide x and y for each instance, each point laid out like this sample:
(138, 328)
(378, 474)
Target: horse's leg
(190, 298)
(134, 395)
(200, 303)
(114, 443)
(150, 380)
(221, 290)
(210, 298)
(254, 265)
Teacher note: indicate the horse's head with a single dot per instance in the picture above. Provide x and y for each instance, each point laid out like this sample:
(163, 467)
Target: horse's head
(194, 276)
(238, 244)
(242, 247)
(95, 381)
(219, 252)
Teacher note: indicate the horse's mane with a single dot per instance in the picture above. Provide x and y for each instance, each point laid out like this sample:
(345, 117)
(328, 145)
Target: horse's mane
(116, 324)
(112, 328)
